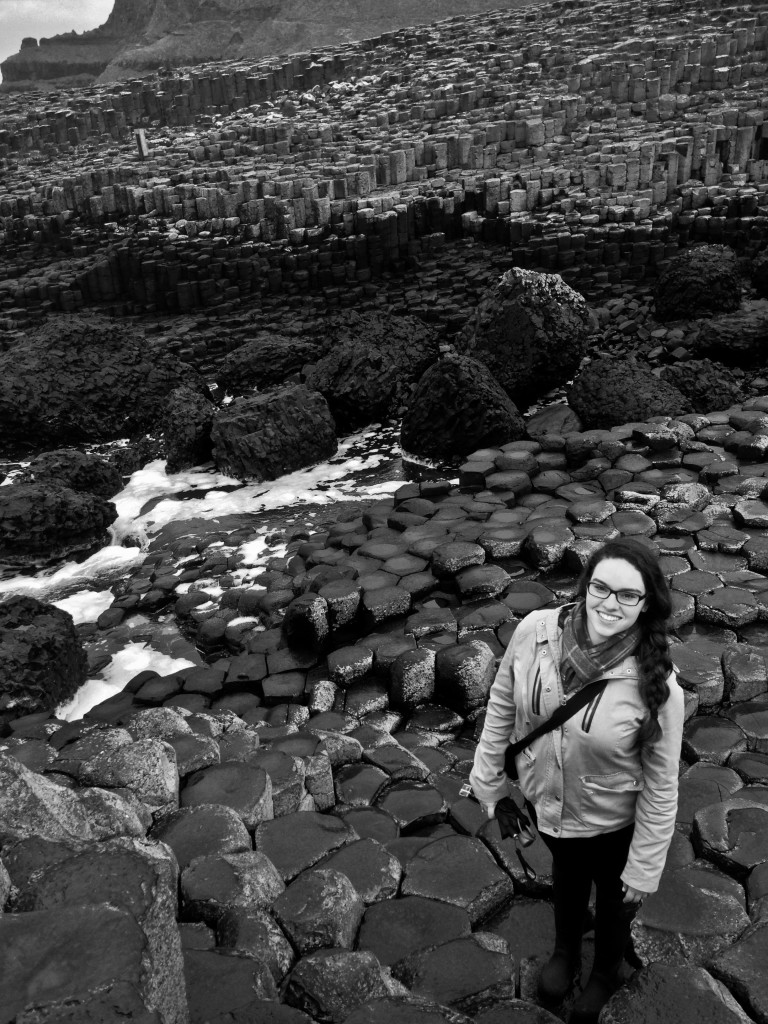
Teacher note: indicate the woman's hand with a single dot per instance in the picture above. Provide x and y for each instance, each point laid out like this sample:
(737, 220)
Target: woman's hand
(633, 895)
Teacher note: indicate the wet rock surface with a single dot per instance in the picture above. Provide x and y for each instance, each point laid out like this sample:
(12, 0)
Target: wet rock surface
(687, 994)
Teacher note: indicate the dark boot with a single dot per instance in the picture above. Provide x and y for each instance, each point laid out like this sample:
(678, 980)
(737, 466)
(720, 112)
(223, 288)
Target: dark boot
(571, 897)
(613, 918)
(558, 975)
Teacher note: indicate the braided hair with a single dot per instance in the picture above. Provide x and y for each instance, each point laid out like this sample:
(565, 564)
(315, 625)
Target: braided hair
(653, 657)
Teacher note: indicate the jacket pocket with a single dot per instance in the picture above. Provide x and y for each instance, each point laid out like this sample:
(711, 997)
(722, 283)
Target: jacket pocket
(609, 800)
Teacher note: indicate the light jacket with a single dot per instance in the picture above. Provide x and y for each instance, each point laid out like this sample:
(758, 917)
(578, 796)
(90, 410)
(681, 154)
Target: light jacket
(591, 775)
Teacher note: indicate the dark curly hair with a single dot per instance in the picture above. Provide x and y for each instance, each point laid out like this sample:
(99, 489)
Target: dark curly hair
(653, 657)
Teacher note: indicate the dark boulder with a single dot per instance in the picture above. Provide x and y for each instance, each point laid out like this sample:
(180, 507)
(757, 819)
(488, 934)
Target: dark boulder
(79, 377)
(609, 392)
(186, 427)
(68, 467)
(699, 282)
(531, 330)
(40, 523)
(456, 408)
(705, 384)
(42, 662)
(265, 436)
(371, 364)
(267, 359)
(738, 339)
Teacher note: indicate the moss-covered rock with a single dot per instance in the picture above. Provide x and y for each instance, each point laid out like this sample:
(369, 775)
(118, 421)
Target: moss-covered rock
(42, 662)
(456, 408)
(706, 384)
(699, 282)
(609, 392)
(531, 331)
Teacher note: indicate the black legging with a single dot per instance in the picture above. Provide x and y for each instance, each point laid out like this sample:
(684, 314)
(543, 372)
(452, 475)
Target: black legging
(576, 863)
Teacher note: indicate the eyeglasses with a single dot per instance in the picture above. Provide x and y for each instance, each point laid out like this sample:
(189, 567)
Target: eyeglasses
(630, 598)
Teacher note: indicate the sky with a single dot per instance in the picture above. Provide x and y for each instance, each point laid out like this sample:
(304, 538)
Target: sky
(20, 18)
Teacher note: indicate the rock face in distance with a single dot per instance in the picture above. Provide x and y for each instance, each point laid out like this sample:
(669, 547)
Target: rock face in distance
(531, 331)
(609, 392)
(186, 428)
(456, 408)
(42, 662)
(265, 436)
(68, 467)
(80, 377)
(706, 384)
(141, 36)
(40, 522)
(699, 282)
(371, 362)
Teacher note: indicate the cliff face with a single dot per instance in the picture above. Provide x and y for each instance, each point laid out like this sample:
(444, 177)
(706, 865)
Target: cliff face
(78, 58)
(142, 35)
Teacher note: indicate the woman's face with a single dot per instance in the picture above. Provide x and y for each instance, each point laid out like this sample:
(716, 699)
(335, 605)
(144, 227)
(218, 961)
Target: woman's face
(607, 616)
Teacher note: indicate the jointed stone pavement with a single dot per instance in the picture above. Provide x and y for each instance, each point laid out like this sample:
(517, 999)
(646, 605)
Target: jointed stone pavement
(324, 848)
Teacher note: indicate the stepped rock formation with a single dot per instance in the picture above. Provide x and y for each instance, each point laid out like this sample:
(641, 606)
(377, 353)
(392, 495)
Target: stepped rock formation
(141, 36)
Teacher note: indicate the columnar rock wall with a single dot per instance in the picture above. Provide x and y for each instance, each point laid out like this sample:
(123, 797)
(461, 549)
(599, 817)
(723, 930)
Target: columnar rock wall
(589, 143)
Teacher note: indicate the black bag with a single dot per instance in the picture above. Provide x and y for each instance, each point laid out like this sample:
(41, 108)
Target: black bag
(514, 823)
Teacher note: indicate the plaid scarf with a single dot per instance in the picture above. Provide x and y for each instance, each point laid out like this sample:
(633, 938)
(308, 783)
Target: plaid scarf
(581, 661)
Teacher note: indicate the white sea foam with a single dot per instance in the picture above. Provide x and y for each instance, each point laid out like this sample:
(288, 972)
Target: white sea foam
(125, 664)
(105, 566)
(86, 605)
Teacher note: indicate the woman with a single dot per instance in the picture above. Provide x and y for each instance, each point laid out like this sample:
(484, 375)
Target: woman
(602, 788)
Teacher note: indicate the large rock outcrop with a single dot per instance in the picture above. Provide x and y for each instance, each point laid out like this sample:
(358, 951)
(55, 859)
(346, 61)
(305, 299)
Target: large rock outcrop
(42, 662)
(83, 377)
(457, 407)
(68, 467)
(531, 331)
(265, 436)
(699, 282)
(371, 363)
(43, 522)
(187, 429)
(739, 338)
(267, 359)
(706, 384)
(609, 392)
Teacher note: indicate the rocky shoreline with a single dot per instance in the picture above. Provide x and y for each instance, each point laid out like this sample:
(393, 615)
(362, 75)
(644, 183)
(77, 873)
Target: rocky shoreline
(302, 786)
(269, 825)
